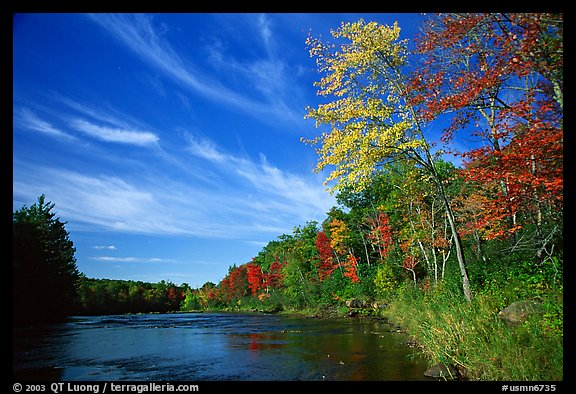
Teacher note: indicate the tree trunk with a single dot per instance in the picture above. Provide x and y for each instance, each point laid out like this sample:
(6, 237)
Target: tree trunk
(452, 222)
(457, 241)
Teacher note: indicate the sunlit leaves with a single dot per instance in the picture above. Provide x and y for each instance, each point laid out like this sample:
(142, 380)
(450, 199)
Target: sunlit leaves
(339, 236)
(255, 277)
(327, 261)
(368, 123)
(365, 48)
(351, 269)
(500, 76)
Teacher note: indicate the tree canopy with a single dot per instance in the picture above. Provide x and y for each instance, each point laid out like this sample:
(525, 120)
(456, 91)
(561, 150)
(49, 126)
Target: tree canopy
(44, 276)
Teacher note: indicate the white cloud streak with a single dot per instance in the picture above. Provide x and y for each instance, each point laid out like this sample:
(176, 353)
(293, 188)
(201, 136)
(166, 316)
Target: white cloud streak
(265, 31)
(252, 200)
(111, 128)
(131, 259)
(105, 247)
(137, 32)
(27, 119)
(111, 134)
(205, 149)
(279, 192)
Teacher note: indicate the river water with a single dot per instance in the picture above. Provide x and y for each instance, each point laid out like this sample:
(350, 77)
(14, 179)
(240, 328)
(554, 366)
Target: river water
(214, 347)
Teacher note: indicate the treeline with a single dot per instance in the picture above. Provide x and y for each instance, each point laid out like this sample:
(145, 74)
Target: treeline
(444, 248)
(43, 259)
(404, 214)
(391, 235)
(110, 296)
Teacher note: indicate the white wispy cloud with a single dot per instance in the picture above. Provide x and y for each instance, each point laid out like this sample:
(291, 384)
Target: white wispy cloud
(265, 30)
(132, 259)
(138, 33)
(106, 247)
(102, 124)
(250, 200)
(205, 149)
(99, 114)
(27, 119)
(278, 191)
(112, 134)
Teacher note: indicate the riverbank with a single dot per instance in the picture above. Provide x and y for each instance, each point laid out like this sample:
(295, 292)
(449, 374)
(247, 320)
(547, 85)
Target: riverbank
(471, 339)
(475, 339)
(467, 337)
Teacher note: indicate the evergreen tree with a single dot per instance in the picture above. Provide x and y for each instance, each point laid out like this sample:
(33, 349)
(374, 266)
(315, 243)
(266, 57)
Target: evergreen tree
(45, 275)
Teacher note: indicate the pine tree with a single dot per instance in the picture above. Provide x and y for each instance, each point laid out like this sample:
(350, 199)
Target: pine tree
(45, 276)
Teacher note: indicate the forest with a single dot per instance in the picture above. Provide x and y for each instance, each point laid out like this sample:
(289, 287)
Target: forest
(438, 248)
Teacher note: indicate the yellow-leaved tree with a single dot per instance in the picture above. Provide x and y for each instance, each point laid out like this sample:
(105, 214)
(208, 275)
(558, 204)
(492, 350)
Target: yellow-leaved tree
(370, 113)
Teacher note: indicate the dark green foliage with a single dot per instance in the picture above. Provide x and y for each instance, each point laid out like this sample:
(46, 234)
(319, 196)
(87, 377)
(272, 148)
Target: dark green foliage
(44, 272)
(108, 296)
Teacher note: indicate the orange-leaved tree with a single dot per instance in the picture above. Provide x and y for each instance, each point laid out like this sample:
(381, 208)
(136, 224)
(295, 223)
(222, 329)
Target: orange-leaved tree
(372, 115)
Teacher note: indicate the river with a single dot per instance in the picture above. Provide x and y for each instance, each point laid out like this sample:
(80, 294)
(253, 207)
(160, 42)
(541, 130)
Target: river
(214, 347)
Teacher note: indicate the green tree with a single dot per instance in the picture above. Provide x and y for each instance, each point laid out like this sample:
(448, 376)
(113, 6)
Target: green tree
(372, 117)
(192, 301)
(45, 275)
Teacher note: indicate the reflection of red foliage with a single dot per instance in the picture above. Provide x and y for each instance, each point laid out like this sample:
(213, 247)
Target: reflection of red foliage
(261, 341)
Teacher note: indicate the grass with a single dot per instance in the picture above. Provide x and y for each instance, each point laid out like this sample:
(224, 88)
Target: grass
(472, 337)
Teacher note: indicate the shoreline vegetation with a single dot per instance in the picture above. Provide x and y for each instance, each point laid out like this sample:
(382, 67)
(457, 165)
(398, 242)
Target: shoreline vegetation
(467, 259)
(471, 339)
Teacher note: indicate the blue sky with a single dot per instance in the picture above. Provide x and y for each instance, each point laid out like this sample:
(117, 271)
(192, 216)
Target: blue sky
(170, 143)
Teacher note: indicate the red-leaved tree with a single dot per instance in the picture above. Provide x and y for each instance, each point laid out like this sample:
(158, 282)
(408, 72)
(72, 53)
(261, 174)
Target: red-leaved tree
(274, 276)
(500, 78)
(327, 263)
(351, 269)
(255, 277)
(381, 234)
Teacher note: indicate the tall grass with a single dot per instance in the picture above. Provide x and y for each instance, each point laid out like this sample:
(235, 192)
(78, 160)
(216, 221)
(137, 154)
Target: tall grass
(473, 338)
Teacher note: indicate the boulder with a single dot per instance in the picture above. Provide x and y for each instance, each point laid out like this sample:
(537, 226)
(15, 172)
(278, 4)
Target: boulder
(442, 371)
(379, 305)
(517, 312)
(354, 303)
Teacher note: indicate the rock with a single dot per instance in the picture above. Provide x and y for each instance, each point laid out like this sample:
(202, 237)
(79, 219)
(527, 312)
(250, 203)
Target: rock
(354, 303)
(379, 306)
(411, 343)
(442, 371)
(517, 312)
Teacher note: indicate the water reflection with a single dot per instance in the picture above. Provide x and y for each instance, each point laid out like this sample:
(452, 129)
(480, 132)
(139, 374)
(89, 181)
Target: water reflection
(213, 347)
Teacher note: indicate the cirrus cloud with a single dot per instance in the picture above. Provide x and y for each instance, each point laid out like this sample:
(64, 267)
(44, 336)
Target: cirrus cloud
(112, 134)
